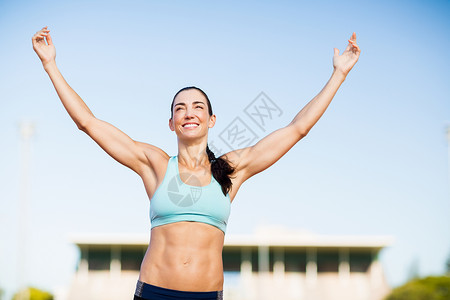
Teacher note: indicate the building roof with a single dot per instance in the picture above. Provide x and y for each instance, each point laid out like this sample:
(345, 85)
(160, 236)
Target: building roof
(263, 236)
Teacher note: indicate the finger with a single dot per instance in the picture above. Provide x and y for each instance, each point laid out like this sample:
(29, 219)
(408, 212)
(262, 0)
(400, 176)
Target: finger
(42, 31)
(355, 49)
(351, 43)
(42, 36)
(349, 46)
(49, 39)
(36, 37)
(354, 44)
(353, 37)
(39, 34)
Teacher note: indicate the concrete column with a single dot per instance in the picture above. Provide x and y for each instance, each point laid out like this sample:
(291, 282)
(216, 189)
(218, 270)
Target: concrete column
(246, 262)
(278, 266)
(279, 283)
(263, 259)
(83, 266)
(263, 273)
(248, 290)
(375, 271)
(311, 266)
(344, 265)
(115, 266)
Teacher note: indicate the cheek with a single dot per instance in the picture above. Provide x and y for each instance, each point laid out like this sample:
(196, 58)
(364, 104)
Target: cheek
(176, 118)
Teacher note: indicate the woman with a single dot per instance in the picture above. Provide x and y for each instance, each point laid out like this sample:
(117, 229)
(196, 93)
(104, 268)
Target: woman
(190, 193)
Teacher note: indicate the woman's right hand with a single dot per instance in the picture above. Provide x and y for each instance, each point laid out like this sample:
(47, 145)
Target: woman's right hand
(46, 53)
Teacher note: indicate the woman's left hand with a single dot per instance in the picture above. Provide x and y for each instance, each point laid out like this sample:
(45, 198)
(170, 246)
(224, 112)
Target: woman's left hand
(345, 62)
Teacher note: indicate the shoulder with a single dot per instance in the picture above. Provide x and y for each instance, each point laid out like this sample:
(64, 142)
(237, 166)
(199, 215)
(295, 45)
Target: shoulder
(154, 156)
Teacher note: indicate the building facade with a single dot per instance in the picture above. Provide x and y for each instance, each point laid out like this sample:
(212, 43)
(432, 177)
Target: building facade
(273, 263)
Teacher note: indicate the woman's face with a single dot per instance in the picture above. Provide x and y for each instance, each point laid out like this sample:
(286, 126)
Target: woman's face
(190, 115)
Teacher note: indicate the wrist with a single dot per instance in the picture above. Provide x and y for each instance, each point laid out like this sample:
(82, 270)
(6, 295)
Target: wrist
(49, 65)
(338, 74)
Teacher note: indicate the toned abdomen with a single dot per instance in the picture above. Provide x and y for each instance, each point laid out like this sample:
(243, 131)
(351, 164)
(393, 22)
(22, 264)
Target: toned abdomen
(185, 256)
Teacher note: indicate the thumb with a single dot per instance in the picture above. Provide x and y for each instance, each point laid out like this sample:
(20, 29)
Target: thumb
(336, 51)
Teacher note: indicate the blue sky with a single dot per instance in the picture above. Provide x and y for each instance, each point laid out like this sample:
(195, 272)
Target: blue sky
(375, 164)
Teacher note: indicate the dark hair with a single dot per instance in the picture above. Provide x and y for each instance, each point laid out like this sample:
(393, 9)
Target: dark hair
(220, 167)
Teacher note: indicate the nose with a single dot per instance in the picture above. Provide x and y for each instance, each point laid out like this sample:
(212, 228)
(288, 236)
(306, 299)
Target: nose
(189, 113)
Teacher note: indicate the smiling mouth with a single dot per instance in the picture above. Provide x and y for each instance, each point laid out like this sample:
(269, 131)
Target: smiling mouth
(190, 125)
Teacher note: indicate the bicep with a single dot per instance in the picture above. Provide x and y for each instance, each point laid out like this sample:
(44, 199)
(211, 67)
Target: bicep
(117, 144)
(252, 160)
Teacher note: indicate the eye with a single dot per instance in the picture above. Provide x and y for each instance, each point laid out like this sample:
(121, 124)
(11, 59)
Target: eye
(178, 108)
(199, 106)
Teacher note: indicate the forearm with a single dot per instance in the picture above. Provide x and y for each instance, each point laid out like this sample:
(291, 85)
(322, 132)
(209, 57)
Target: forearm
(311, 113)
(77, 109)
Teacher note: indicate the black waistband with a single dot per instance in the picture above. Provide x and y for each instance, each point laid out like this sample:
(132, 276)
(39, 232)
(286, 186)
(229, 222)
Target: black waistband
(153, 292)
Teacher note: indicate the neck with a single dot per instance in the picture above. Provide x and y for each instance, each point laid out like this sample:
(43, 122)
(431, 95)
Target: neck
(193, 155)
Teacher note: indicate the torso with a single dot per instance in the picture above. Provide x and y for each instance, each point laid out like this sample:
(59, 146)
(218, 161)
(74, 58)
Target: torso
(184, 256)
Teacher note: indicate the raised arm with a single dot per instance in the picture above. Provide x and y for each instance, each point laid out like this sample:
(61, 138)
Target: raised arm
(252, 160)
(116, 143)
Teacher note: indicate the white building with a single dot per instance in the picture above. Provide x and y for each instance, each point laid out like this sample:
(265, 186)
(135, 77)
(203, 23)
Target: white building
(273, 263)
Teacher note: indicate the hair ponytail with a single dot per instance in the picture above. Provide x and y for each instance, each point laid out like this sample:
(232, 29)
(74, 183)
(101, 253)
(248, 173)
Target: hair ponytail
(221, 170)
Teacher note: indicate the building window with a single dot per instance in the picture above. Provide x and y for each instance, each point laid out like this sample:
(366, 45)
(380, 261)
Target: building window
(231, 258)
(360, 261)
(99, 259)
(255, 259)
(327, 261)
(275, 254)
(294, 260)
(131, 259)
(271, 259)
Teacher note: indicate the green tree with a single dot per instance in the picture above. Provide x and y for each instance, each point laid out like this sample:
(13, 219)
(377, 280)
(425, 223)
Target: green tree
(429, 288)
(32, 293)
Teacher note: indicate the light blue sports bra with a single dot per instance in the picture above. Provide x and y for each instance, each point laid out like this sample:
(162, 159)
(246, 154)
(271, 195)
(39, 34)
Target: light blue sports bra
(175, 201)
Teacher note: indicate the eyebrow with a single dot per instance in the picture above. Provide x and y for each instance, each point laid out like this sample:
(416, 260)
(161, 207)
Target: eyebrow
(184, 104)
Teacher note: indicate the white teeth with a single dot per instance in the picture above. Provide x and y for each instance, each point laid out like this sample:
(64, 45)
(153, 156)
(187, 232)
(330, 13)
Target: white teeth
(190, 125)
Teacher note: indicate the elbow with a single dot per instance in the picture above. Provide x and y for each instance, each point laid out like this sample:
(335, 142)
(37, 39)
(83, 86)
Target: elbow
(302, 135)
(299, 129)
(83, 125)
(302, 132)
(82, 128)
